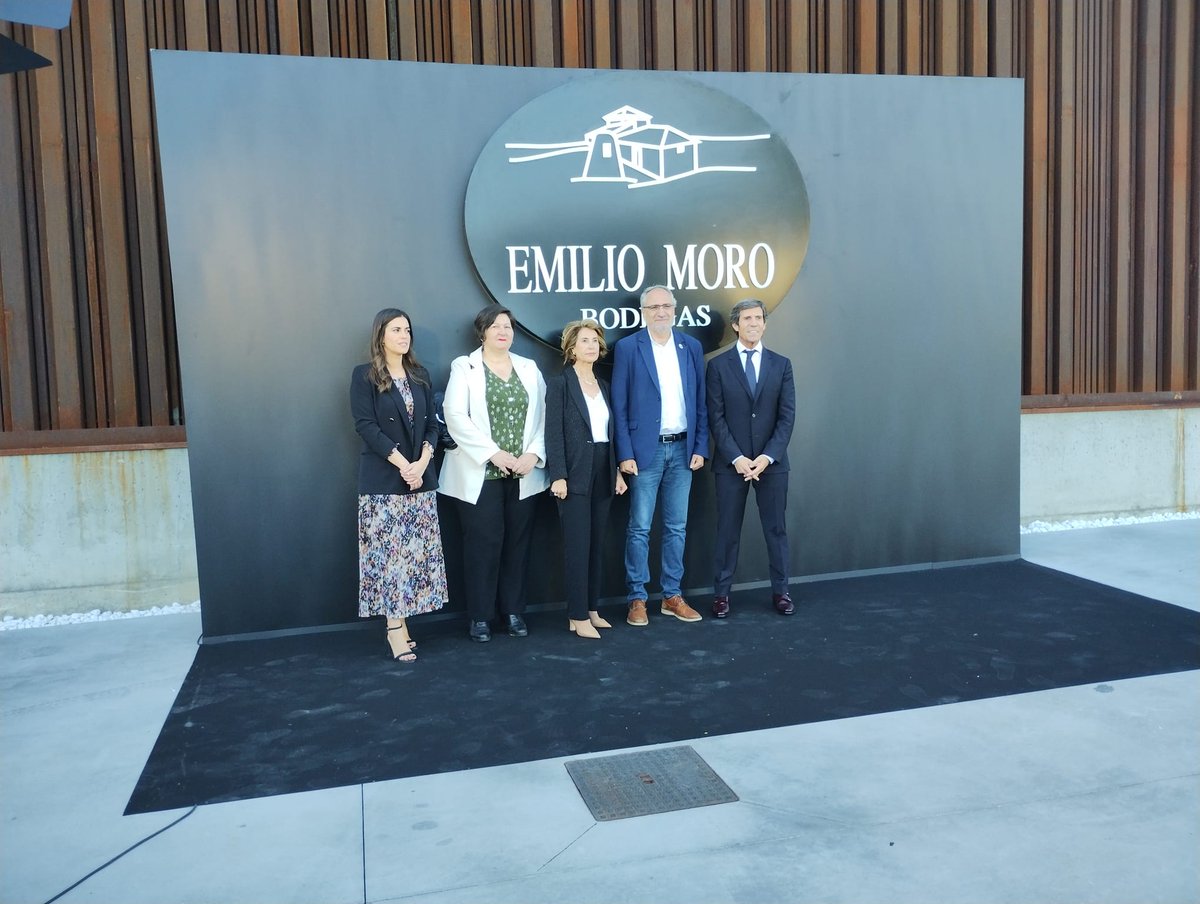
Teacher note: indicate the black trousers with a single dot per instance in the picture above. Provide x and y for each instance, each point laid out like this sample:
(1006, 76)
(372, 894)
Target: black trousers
(496, 532)
(770, 491)
(583, 519)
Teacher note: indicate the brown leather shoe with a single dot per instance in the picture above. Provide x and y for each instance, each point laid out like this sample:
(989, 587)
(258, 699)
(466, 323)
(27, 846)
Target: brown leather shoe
(720, 606)
(637, 614)
(783, 603)
(675, 605)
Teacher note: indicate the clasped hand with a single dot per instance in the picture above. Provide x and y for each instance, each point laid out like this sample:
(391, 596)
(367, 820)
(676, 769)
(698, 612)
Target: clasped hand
(750, 470)
(512, 464)
(412, 472)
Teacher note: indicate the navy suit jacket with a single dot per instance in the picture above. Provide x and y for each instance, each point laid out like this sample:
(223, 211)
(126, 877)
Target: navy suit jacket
(747, 425)
(637, 399)
(382, 421)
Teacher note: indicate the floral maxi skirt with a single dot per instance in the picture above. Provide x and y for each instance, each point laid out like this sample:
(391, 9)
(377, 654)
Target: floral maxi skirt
(401, 569)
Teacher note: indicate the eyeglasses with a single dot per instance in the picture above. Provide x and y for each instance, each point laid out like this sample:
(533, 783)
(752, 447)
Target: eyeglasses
(657, 307)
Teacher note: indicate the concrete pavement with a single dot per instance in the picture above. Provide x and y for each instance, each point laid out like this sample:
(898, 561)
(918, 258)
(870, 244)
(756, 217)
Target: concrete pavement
(1080, 794)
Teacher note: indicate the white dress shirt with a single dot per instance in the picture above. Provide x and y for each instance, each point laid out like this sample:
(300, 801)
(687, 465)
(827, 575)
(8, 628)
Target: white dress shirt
(670, 383)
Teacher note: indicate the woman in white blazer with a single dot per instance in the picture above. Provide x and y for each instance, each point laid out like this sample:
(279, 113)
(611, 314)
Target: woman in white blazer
(495, 409)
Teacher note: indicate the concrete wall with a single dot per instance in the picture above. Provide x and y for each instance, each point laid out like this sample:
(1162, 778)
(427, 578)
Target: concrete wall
(113, 530)
(1088, 464)
(95, 530)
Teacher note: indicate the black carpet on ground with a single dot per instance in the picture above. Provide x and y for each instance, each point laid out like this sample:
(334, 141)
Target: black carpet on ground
(266, 717)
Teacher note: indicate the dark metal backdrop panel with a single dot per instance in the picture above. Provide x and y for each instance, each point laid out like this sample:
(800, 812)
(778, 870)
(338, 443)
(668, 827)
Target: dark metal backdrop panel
(302, 195)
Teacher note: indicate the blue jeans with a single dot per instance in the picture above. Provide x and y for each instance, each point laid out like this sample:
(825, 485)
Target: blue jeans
(668, 473)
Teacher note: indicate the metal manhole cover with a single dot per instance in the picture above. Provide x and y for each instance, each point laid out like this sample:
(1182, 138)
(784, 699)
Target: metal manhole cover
(647, 781)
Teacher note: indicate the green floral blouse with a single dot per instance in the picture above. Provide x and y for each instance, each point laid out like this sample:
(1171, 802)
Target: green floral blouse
(507, 403)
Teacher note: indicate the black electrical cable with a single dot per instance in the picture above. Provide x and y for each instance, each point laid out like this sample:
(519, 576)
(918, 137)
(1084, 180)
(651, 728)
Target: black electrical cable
(120, 855)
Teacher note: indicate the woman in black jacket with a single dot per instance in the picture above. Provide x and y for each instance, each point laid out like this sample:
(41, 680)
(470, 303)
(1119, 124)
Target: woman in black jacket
(582, 465)
(401, 569)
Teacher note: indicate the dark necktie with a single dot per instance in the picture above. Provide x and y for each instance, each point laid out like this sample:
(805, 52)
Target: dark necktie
(750, 377)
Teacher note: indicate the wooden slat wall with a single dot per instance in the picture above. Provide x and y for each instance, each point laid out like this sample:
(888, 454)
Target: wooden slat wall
(1112, 185)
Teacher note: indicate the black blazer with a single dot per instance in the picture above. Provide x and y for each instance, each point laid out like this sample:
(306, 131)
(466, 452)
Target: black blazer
(745, 425)
(569, 446)
(383, 423)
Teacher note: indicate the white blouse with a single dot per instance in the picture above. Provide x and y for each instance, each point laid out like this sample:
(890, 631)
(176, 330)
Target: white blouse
(598, 414)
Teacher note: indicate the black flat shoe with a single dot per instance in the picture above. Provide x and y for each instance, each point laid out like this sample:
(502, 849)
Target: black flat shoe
(480, 632)
(516, 626)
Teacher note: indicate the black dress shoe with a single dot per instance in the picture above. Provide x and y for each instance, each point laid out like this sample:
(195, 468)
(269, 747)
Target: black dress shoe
(516, 626)
(480, 632)
(783, 603)
(720, 606)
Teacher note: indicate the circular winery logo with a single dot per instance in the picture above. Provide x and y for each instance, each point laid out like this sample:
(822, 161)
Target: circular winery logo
(612, 183)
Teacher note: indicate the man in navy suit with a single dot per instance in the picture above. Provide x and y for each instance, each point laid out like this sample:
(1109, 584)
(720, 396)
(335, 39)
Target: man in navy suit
(661, 437)
(751, 412)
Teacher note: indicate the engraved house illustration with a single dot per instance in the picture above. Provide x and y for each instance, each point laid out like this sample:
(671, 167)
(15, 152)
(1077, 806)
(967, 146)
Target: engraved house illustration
(631, 148)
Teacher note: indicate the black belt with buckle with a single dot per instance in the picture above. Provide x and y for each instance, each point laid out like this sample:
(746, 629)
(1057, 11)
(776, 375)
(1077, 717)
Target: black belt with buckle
(672, 437)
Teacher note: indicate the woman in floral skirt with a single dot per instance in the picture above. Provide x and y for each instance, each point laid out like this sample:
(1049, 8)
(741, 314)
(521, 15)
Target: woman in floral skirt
(401, 569)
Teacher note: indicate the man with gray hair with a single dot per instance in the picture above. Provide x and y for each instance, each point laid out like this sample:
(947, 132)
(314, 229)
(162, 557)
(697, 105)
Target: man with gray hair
(751, 412)
(661, 435)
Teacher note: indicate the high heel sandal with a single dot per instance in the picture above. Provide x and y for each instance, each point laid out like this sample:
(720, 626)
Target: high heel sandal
(597, 620)
(583, 628)
(405, 656)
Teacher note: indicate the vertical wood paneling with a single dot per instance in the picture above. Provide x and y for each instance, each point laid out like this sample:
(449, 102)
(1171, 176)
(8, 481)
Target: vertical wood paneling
(758, 52)
(1121, 187)
(545, 36)
(892, 39)
(489, 36)
(1193, 276)
(914, 34)
(866, 37)
(949, 34)
(1065, 201)
(228, 30)
(664, 36)
(722, 35)
(570, 14)
(602, 34)
(150, 276)
(377, 33)
(321, 36)
(109, 197)
(52, 203)
(17, 368)
(799, 28)
(83, 231)
(1179, 135)
(1112, 201)
(629, 34)
(195, 24)
(1037, 204)
(977, 38)
(1147, 227)
(288, 17)
(685, 42)
(1002, 21)
(837, 40)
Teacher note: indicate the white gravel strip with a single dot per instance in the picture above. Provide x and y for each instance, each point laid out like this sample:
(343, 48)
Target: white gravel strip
(1042, 527)
(1036, 527)
(75, 618)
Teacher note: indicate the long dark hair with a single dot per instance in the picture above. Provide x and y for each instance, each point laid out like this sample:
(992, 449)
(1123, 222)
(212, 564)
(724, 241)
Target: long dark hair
(378, 374)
